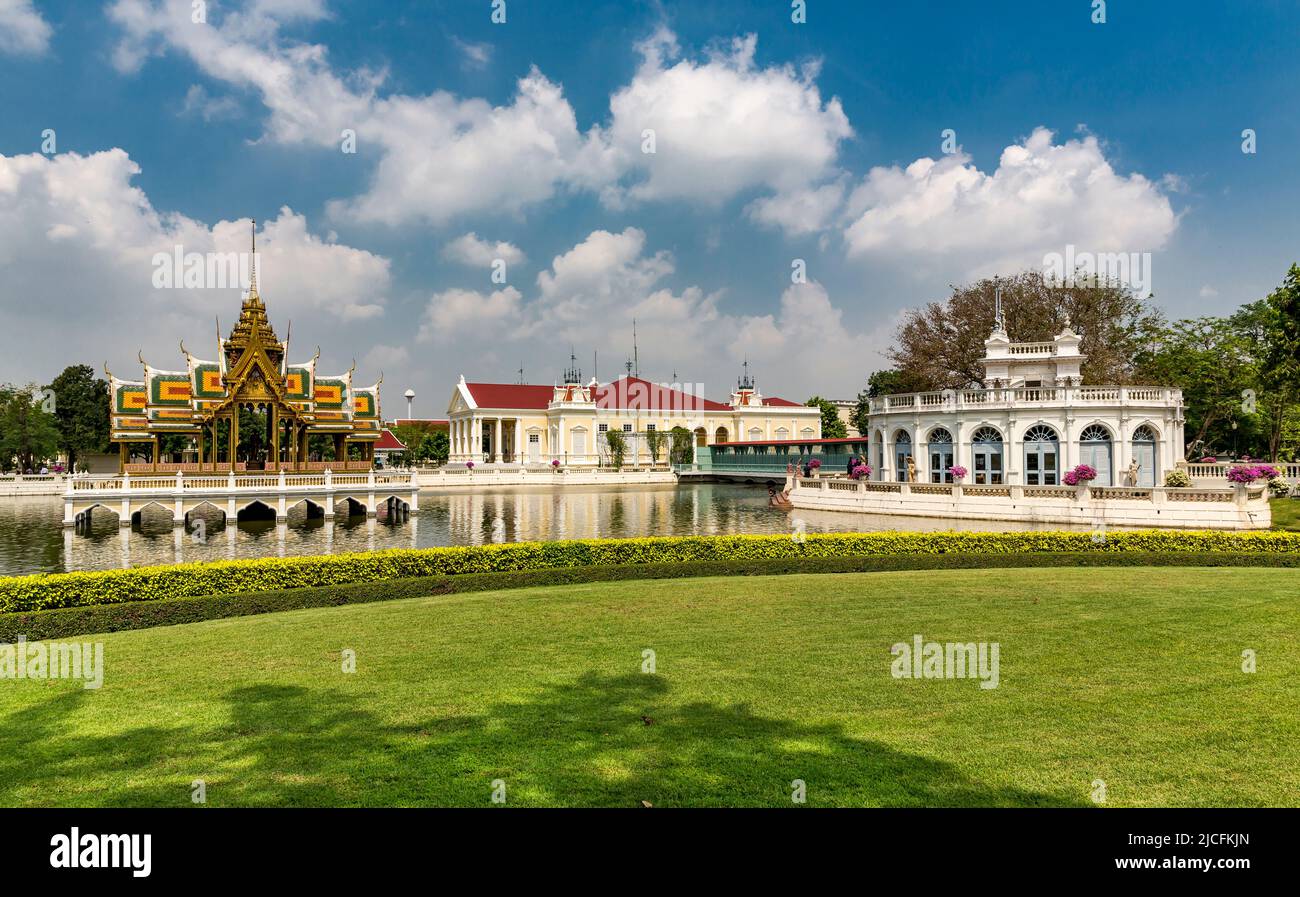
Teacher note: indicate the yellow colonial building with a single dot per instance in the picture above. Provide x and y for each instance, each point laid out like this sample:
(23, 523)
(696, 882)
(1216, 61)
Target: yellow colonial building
(512, 423)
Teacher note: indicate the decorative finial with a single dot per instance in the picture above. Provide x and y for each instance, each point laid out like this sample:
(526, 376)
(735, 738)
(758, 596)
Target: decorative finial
(252, 276)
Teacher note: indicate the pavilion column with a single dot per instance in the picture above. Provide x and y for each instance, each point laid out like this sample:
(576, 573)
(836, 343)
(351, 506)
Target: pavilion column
(519, 444)
(121, 458)
(234, 438)
(497, 454)
(275, 437)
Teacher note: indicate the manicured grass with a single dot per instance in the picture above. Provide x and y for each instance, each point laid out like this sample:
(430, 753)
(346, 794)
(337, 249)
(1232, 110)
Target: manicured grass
(1286, 514)
(1130, 675)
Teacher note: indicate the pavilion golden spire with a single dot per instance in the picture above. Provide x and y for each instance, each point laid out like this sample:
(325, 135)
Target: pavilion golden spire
(253, 297)
(253, 326)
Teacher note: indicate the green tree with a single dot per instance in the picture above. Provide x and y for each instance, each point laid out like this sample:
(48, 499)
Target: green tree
(1278, 346)
(81, 412)
(940, 346)
(617, 446)
(682, 450)
(654, 443)
(28, 433)
(832, 426)
(435, 446)
(1211, 359)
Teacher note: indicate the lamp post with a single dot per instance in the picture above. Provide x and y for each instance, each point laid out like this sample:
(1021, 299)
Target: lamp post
(410, 398)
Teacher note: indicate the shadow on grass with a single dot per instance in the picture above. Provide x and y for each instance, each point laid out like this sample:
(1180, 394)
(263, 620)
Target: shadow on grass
(598, 740)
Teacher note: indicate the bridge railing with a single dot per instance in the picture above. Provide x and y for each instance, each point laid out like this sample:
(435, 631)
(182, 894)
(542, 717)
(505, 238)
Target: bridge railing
(128, 484)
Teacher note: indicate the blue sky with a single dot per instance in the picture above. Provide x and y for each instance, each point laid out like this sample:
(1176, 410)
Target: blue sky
(1145, 113)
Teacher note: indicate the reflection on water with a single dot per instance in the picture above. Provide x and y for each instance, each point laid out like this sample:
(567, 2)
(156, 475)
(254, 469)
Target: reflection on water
(32, 538)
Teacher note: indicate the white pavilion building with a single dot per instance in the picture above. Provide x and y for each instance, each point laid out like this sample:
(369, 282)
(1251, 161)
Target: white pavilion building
(1031, 421)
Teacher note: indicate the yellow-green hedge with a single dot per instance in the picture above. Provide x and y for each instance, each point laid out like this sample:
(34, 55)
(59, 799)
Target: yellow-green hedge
(27, 593)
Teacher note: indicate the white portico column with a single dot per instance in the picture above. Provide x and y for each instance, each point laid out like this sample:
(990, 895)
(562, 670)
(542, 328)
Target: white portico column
(496, 442)
(519, 441)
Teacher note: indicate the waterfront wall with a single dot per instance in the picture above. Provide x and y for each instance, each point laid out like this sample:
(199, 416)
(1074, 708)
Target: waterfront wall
(1235, 508)
(489, 476)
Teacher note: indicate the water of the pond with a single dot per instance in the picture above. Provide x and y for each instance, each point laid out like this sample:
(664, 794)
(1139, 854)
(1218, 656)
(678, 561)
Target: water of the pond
(32, 538)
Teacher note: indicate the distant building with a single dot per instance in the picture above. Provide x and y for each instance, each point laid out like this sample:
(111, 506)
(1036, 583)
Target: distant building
(387, 446)
(845, 408)
(537, 424)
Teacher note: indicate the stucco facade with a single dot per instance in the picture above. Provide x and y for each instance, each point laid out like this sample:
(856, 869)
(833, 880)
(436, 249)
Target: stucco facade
(1031, 421)
(535, 424)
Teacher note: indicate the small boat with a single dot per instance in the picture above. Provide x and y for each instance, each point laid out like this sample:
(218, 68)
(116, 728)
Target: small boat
(780, 500)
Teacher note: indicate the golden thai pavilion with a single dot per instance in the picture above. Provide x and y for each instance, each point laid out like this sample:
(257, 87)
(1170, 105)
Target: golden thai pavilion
(252, 373)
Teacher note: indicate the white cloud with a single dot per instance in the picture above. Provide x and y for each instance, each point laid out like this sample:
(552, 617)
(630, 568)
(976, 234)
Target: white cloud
(1042, 197)
(801, 211)
(382, 357)
(722, 125)
(474, 56)
(435, 157)
(1208, 292)
(23, 32)
(455, 312)
(590, 295)
(77, 244)
(199, 102)
(468, 249)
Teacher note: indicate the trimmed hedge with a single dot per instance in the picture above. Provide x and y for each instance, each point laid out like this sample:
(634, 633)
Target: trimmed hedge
(42, 592)
(50, 624)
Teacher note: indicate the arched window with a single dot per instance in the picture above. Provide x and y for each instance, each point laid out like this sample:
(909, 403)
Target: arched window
(941, 455)
(1144, 452)
(701, 437)
(1042, 453)
(720, 435)
(986, 456)
(902, 451)
(1094, 450)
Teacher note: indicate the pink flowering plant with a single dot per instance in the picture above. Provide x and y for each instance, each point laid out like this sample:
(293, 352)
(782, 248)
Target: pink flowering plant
(1247, 474)
(1209, 459)
(555, 462)
(469, 465)
(1080, 476)
(958, 473)
(814, 463)
(861, 472)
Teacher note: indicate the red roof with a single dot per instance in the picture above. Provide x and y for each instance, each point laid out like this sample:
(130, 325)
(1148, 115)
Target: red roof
(636, 394)
(510, 395)
(773, 400)
(387, 442)
(625, 393)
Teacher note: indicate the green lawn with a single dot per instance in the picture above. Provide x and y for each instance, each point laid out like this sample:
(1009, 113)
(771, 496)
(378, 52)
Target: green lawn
(1132, 676)
(1286, 514)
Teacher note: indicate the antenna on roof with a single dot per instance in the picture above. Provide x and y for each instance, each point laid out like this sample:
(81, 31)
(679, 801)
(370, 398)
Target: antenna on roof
(636, 360)
(521, 373)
